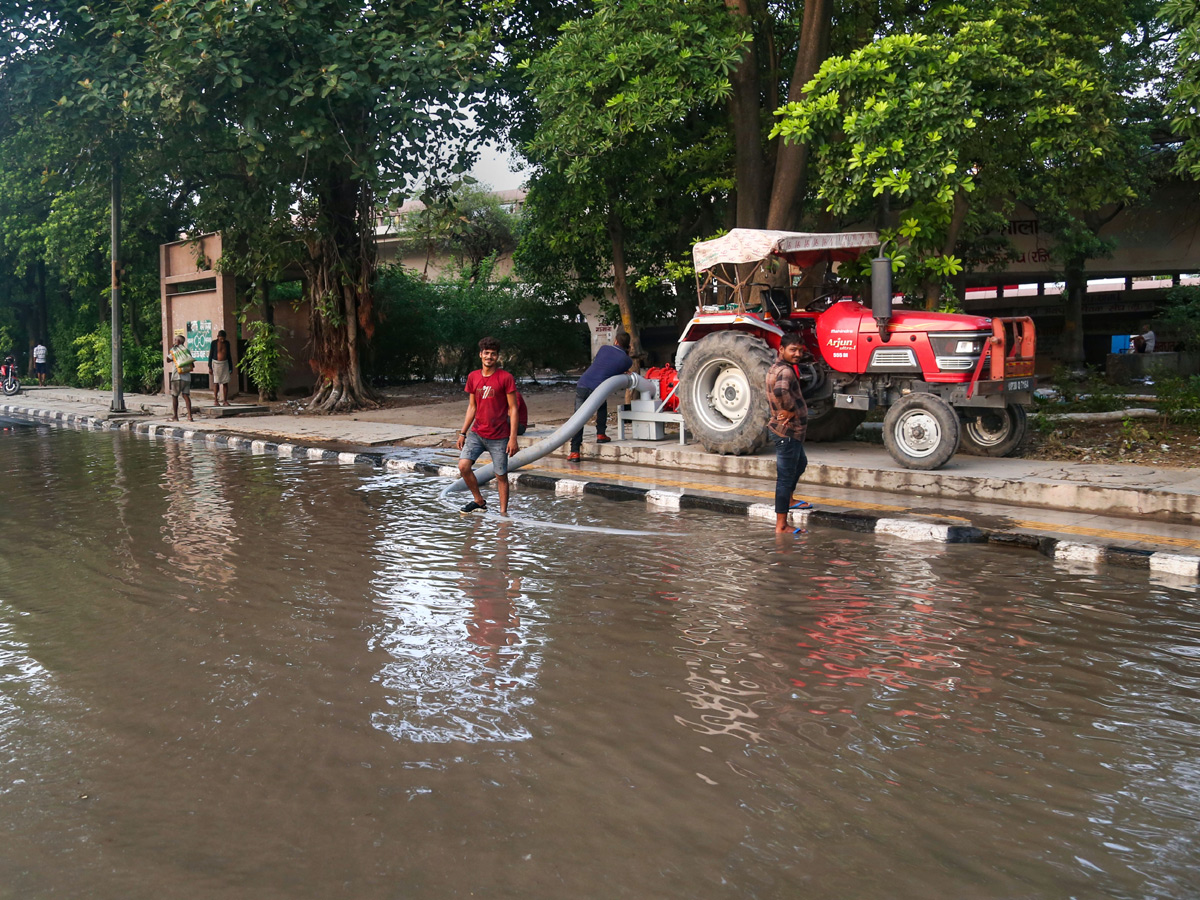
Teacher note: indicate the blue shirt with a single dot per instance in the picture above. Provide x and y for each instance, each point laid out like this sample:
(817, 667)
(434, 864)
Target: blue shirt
(610, 360)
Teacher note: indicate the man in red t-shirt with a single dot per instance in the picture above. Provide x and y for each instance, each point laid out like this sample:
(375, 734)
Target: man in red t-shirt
(493, 411)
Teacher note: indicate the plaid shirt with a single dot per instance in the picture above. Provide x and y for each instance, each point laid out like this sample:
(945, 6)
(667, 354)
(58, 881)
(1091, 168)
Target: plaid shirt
(784, 398)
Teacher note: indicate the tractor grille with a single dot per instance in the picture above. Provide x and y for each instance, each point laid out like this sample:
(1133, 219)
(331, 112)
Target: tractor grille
(956, 363)
(893, 359)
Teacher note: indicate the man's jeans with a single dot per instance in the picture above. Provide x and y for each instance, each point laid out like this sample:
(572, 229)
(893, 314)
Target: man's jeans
(581, 396)
(790, 463)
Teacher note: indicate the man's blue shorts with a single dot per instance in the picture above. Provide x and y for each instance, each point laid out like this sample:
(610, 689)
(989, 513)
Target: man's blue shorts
(474, 446)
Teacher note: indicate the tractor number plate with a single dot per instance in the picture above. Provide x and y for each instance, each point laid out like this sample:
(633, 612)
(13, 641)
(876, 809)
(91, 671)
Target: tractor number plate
(1018, 384)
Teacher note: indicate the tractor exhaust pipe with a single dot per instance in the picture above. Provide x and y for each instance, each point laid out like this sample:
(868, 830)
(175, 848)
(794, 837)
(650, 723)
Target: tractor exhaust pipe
(881, 294)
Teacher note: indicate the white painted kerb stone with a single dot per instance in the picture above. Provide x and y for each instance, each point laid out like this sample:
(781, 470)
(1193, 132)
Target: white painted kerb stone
(663, 499)
(1175, 564)
(1070, 551)
(914, 531)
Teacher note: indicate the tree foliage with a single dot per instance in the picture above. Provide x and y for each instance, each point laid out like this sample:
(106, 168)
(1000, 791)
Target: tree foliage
(947, 126)
(464, 222)
(1184, 107)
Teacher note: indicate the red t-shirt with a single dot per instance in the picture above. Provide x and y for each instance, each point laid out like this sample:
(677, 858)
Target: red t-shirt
(491, 402)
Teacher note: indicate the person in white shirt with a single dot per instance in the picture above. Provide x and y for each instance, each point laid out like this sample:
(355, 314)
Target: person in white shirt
(1143, 342)
(39, 363)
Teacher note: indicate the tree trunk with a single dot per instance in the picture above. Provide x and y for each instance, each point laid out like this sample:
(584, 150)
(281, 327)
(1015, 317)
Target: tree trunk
(791, 160)
(338, 268)
(745, 110)
(933, 286)
(1071, 345)
(268, 316)
(616, 234)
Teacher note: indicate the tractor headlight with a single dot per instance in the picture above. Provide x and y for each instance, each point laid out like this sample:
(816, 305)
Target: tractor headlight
(957, 352)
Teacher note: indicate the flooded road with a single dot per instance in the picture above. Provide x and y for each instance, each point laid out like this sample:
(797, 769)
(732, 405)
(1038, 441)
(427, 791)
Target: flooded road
(226, 676)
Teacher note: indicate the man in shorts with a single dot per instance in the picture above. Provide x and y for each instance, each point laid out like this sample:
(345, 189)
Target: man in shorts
(220, 364)
(490, 424)
(39, 362)
(181, 378)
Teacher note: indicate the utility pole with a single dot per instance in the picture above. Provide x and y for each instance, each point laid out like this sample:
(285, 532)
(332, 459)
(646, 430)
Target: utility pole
(118, 397)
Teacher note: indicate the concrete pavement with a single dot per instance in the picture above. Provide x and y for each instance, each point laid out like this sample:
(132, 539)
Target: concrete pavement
(1137, 508)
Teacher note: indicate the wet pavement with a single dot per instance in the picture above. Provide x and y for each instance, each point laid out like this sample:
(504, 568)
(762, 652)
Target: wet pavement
(236, 675)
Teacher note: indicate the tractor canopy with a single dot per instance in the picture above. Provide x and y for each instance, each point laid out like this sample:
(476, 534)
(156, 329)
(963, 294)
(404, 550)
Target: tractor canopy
(801, 249)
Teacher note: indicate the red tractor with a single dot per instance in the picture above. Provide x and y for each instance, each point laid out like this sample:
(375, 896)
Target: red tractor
(943, 379)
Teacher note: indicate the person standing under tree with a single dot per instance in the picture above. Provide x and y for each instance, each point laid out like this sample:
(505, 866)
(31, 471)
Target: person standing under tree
(789, 425)
(181, 378)
(39, 362)
(490, 424)
(220, 365)
(610, 360)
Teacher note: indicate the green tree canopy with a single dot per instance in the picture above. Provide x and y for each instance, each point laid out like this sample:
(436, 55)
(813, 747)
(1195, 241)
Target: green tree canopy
(949, 125)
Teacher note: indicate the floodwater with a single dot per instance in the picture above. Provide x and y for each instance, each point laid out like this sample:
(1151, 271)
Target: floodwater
(226, 676)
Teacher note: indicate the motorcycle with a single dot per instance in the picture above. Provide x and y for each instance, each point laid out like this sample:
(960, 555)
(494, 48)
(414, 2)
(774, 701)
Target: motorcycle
(8, 377)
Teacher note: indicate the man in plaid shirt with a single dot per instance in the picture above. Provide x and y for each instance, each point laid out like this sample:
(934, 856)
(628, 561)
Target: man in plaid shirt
(788, 424)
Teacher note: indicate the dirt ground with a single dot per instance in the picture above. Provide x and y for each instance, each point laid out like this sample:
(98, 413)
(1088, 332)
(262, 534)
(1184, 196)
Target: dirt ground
(1147, 442)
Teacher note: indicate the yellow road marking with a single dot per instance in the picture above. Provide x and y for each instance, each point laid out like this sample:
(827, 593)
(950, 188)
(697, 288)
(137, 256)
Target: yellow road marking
(1105, 533)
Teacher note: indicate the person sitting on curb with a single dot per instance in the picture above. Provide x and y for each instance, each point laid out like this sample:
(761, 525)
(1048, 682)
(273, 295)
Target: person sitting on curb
(609, 361)
(490, 424)
(181, 378)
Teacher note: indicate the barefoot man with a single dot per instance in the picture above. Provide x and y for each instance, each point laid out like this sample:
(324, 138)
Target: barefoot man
(788, 424)
(181, 378)
(220, 364)
(492, 410)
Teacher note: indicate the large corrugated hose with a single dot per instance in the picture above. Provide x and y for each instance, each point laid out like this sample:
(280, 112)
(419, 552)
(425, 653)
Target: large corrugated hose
(631, 381)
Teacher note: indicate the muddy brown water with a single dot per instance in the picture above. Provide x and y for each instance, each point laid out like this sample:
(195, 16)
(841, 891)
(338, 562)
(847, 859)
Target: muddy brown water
(225, 675)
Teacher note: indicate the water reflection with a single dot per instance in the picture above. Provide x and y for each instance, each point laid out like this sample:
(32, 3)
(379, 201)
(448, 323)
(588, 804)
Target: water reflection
(198, 524)
(464, 655)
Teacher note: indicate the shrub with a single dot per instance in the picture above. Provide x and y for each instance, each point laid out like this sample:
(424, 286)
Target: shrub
(1085, 392)
(141, 366)
(265, 359)
(1179, 399)
(1181, 315)
(432, 329)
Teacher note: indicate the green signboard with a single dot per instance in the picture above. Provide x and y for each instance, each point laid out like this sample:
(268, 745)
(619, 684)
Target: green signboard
(199, 337)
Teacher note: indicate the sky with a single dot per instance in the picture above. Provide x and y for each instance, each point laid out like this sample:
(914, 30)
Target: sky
(493, 170)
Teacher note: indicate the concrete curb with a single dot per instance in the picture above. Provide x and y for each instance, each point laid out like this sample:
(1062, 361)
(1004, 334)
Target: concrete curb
(905, 529)
(1073, 496)
(1157, 562)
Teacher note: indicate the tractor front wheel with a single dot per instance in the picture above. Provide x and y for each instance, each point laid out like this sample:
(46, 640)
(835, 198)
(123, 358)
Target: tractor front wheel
(723, 392)
(921, 431)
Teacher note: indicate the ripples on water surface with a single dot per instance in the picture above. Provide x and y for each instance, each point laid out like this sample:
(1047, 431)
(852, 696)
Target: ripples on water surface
(224, 675)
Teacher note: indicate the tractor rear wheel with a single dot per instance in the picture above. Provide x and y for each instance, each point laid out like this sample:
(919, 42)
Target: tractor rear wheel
(723, 392)
(828, 423)
(921, 431)
(993, 432)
